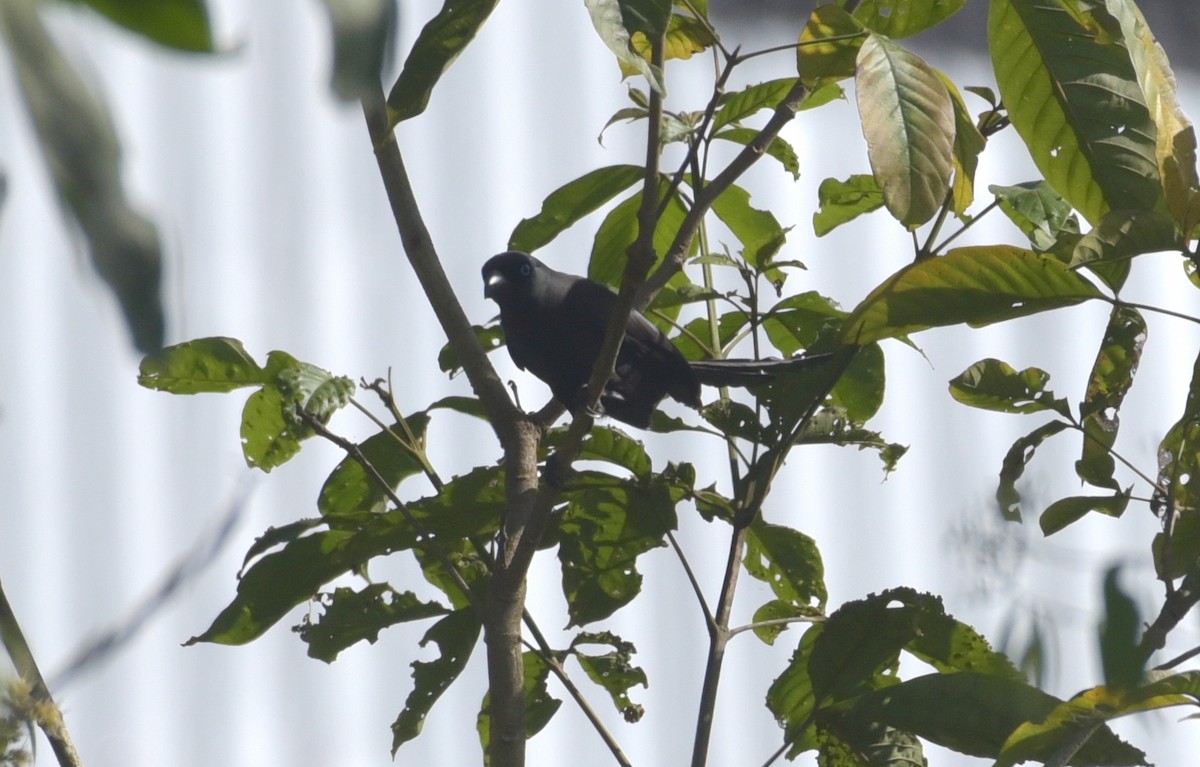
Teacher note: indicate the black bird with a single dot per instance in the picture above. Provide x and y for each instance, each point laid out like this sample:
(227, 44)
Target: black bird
(554, 324)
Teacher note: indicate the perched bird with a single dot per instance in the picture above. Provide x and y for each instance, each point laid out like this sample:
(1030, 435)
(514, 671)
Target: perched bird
(554, 324)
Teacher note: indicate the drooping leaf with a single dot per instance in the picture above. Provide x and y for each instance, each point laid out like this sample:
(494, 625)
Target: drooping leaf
(993, 384)
(757, 230)
(1066, 511)
(1072, 93)
(455, 636)
(613, 671)
(779, 149)
(351, 616)
(361, 29)
(974, 285)
(1122, 234)
(540, 705)
(571, 202)
(685, 36)
(843, 201)
(442, 39)
(82, 152)
(180, 24)
(1122, 659)
(1179, 455)
(205, 365)
(1112, 375)
(1040, 738)
(1013, 467)
(607, 525)
(968, 144)
(791, 699)
(908, 119)
(610, 22)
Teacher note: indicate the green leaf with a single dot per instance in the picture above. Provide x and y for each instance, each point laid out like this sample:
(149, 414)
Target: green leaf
(789, 562)
(1013, 467)
(314, 390)
(571, 202)
(975, 285)
(968, 144)
(1066, 511)
(739, 105)
(1040, 738)
(610, 21)
(613, 671)
(829, 45)
(269, 439)
(1072, 93)
(1179, 455)
(902, 18)
(1122, 234)
(993, 384)
(1120, 654)
(778, 149)
(1038, 211)
(607, 525)
(617, 448)
(1175, 556)
(908, 120)
(1112, 375)
(204, 365)
(733, 419)
(436, 48)
(490, 338)
(974, 714)
(757, 230)
(351, 616)
(540, 705)
(361, 29)
(765, 627)
(791, 698)
(843, 201)
(456, 636)
(618, 231)
(350, 489)
(179, 24)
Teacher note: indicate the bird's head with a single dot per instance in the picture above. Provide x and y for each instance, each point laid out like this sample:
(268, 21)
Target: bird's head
(510, 275)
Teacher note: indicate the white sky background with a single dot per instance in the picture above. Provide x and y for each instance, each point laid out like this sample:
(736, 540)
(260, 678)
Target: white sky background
(277, 232)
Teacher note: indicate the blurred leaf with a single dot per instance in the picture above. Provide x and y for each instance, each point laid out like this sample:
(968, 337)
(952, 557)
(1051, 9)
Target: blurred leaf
(349, 488)
(789, 562)
(205, 365)
(361, 29)
(490, 338)
(993, 384)
(540, 705)
(1179, 456)
(902, 18)
(456, 636)
(1122, 659)
(607, 525)
(1122, 234)
(685, 36)
(571, 202)
(80, 146)
(439, 44)
(1175, 556)
(908, 120)
(610, 19)
(180, 24)
(613, 671)
(975, 285)
(1111, 376)
(779, 149)
(1095, 145)
(1018, 456)
(351, 616)
(1070, 510)
(828, 46)
(842, 201)
(1038, 211)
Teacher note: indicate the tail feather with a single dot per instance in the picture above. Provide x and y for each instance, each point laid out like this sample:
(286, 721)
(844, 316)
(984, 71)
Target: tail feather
(743, 372)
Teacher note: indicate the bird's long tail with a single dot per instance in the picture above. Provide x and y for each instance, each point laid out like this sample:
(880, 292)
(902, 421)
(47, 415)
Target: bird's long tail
(743, 372)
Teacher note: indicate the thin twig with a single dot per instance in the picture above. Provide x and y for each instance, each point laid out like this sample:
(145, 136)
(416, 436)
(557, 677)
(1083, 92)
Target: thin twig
(777, 622)
(691, 576)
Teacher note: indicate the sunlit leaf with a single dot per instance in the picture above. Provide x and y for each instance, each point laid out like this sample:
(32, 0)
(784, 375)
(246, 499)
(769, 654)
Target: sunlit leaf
(993, 384)
(843, 201)
(1039, 738)
(610, 23)
(613, 671)
(1073, 95)
(204, 365)
(779, 149)
(737, 106)
(901, 18)
(974, 285)
(757, 230)
(968, 144)
(829, 46)
(1038, 211)
(908, 120)
(391, 453)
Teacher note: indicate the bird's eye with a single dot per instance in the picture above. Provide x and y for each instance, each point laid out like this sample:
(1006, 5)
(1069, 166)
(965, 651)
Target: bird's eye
(526, 270)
